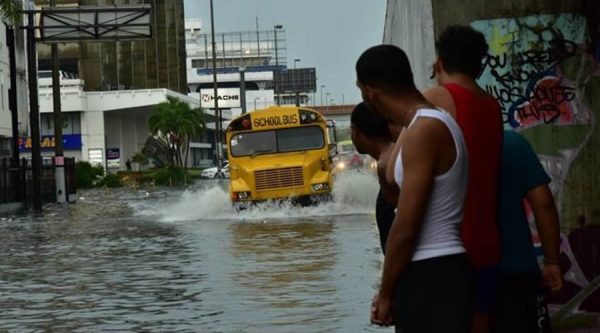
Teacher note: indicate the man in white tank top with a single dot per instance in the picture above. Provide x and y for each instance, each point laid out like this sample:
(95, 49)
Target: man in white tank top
(426, 284)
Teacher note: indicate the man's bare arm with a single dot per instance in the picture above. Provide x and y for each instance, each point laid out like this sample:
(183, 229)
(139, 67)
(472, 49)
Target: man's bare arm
(546, 219)
(419, 152)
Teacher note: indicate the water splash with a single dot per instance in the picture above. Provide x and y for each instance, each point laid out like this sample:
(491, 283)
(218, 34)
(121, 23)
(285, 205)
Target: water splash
(353, 193)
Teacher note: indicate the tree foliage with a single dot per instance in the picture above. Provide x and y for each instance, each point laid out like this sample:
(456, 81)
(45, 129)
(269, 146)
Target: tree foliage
(176, 123)
(11, 11)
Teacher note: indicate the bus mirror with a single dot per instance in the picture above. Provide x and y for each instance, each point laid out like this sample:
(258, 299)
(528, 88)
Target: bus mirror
(332, 132)
(333, 150)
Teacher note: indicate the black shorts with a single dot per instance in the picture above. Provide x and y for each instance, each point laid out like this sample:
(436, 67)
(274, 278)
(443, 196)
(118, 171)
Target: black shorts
(521, 305)
(384, 214)
(435, 295)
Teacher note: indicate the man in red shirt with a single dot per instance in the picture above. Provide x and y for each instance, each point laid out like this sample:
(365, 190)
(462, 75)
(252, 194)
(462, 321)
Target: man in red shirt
(461, 51)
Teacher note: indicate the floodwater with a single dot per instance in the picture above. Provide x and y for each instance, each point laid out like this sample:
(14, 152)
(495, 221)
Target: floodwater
(157, 260)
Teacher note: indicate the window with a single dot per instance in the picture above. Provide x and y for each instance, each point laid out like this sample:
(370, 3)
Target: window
(245, 144)
(282, 141)
(300, 138)
(198, 63)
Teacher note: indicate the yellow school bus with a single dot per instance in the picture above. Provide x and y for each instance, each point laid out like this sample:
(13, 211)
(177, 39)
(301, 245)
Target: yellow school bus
(280, 152)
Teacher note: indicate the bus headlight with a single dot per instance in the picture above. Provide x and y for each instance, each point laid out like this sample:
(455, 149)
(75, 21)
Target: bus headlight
(341, 165)
(242, 195)
(320, 187)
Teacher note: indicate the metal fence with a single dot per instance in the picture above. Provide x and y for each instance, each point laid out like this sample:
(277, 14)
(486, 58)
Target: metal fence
(16, 181)
(12, 178)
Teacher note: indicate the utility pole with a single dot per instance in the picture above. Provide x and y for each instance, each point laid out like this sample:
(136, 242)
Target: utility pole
(34, 115)
(276, 71)
(59, 164)
(12, 94)
(215, 88)
(296, 83)
(58, 145)
(243, 89)
(257, 38)
(322, 86)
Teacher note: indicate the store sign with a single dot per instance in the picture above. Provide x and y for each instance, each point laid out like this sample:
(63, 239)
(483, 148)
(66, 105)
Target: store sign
(228, 98)
(113, 158)
(47, 142)
(95, 156)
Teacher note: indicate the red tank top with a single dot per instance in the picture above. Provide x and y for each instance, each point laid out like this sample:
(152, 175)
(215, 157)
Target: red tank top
(480, 119)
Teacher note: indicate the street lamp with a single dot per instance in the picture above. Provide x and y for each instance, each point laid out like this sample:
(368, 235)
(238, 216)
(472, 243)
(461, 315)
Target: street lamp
(275, 28)
(295, 84)
(243, 89)
(322, 86)
(218, 113)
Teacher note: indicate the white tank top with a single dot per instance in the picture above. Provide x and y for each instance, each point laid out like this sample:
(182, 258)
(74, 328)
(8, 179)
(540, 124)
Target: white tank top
(440, 231)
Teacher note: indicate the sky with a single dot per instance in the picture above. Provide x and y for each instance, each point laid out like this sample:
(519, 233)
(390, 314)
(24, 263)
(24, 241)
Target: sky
(329, 35)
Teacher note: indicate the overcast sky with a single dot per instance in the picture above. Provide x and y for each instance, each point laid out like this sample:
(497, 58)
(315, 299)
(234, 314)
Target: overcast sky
(326, 34)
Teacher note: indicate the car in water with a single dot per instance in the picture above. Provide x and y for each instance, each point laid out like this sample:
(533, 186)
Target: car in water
(214, 172)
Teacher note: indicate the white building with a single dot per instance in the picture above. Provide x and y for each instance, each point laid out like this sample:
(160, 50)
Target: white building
(22, 88)
(105, 127)
(258, 53)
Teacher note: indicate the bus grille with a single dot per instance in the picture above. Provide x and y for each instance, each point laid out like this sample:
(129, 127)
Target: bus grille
(278, 178)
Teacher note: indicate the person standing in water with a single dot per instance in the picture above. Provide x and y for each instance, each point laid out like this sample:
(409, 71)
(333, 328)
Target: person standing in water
(370, 135)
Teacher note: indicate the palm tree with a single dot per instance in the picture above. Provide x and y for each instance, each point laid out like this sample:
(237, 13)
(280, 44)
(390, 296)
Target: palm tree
(11, 11)
(175, 122)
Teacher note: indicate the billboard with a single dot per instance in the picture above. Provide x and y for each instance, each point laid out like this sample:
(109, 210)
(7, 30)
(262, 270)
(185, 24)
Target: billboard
(296, 80)
(228, 98)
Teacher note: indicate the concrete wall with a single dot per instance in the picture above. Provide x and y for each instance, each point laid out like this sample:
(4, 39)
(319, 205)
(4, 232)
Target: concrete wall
(541, 70)
(126, 130)
(409, 25)
(92, 134)
(544, 68)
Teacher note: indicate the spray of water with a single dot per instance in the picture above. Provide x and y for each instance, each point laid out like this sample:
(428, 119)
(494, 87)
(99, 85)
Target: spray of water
(353, 193)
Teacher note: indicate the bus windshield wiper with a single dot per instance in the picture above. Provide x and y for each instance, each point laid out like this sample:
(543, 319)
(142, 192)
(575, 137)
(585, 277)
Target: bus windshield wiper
(258, 152)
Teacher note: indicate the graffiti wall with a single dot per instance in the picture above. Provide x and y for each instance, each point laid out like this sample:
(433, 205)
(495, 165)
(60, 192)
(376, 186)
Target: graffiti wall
(546, 76)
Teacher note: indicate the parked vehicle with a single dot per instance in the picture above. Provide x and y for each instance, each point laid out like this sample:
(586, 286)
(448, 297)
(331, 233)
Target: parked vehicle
(214, 172)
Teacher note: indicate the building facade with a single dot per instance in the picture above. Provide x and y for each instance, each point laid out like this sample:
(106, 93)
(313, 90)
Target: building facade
(107, 103)
(129, 65)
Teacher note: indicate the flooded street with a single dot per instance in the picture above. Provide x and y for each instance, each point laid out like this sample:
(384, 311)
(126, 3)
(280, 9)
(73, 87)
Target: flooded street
(185, 261)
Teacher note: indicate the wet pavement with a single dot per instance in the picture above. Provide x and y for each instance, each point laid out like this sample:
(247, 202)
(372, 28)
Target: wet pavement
(156, 260)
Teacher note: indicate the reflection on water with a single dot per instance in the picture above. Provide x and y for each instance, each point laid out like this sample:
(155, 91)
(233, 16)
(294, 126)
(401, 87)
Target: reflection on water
(283, 256)
(110, 263)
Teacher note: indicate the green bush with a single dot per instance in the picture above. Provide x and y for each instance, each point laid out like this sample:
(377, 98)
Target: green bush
(140, 158)
(86, 174)
(169, 176)
(110, 180)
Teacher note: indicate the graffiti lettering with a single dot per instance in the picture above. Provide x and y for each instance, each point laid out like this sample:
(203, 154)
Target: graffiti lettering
(519, 81)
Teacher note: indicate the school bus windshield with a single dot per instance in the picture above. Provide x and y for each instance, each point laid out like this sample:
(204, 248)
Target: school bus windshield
(277, 141)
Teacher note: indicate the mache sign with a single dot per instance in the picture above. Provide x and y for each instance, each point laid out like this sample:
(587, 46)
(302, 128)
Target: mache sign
(228, 98)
